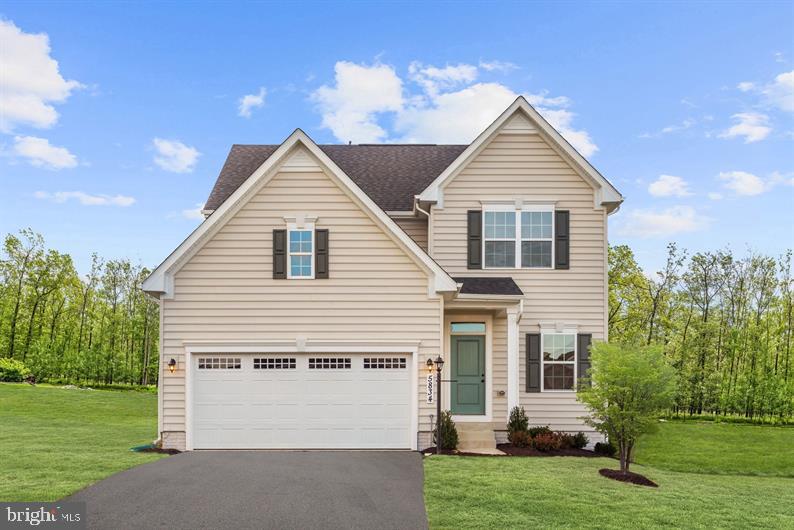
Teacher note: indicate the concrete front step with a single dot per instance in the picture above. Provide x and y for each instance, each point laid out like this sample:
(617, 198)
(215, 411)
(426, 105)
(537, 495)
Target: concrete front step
(475, 436)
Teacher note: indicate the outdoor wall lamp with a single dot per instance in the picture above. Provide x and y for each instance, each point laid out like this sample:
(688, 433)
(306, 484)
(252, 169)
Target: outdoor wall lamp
(172, 365)
(429, 365)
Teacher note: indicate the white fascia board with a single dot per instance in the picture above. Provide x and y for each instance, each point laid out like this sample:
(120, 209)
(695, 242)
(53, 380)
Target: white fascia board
(161, 279)
(606, 194)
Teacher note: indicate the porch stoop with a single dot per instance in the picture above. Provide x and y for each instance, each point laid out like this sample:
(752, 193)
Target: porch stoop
(476, 438)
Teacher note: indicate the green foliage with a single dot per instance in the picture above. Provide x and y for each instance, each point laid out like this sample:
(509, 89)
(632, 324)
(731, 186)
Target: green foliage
(580, 440)
(517, 421)
(631, 386)
(605, 448)
(546, 442)
(96, 329)
(13, 371)
(535, 431)
(519, 438)
(449, 434)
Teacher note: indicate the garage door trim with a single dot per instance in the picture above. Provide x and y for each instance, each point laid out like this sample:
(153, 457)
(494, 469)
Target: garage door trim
(301, 347)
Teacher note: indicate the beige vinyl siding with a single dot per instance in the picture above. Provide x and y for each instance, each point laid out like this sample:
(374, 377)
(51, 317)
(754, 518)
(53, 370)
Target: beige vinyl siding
(525, 166)
(414, 227)
(226, 292)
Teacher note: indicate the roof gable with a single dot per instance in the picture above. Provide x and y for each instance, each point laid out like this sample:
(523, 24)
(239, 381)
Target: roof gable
(522, 118)
(161, 280)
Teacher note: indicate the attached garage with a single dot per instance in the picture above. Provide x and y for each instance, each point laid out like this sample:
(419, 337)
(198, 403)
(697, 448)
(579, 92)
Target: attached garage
(301, 401)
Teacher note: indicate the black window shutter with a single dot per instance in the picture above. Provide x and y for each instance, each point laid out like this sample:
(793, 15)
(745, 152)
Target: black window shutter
(562, 239)
(583, 349)
(533, 362)
(321, 253)
(474, 239)
(279, 254)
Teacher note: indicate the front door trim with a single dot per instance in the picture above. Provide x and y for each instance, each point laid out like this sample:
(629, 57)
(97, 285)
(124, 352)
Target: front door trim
(447, 397)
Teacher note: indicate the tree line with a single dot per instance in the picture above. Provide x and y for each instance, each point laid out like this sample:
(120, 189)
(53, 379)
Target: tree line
(725, 324)
(97, 328)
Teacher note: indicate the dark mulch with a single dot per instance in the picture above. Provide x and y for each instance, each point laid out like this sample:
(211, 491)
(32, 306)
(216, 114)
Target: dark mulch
(159, 450)
(511, 450)
(432, 451)
(628, 476)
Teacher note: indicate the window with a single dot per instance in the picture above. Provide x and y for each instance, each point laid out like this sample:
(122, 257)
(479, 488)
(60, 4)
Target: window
(467, 327)
(500, 239)
(329, 363)
(387, 363)
(301, 253)
(274, 363)
(219, 363)
(559, 361)
(518, 238)
(536, 232)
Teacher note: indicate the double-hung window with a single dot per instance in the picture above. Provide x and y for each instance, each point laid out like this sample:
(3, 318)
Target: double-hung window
(300, 247)
(558, 358)
(518, 237)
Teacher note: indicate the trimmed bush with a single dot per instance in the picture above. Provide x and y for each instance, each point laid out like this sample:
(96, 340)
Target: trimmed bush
(519, 438)
(13, 371)
(606, 449)
(518, 421)
(535, 431)
(449, 434)
(580, 440)
(566, 440)
(546, 442)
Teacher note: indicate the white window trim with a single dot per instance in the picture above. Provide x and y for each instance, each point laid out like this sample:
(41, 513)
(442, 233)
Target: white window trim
(518, 207)
(575, 361)
(303, 227)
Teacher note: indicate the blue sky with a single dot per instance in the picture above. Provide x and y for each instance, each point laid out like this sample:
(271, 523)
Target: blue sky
(115, 118)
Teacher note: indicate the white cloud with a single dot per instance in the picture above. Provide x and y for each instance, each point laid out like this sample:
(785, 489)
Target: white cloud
(498, 66)
(678, 127)
(350, 108)
(174, 156)
(251, 101)
(753, 126)
(86, 199)
(40, 153)
(743, 183)
(746, 86)
(449, 107)
(715, 196)
(194, 213)
(664, 223)
(30, 82)
(780, 93)
(669, 186)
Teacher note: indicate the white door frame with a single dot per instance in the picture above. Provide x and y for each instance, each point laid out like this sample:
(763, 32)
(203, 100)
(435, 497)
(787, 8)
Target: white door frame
(446, 400)
(297, 347)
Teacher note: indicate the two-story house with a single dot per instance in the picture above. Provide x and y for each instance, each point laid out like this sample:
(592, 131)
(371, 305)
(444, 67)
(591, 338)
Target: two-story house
(303, 311)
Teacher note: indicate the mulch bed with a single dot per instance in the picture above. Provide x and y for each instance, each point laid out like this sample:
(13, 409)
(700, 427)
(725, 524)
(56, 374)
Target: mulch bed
(511, 450)
(159, 450)
(633, 478)
(455, 452)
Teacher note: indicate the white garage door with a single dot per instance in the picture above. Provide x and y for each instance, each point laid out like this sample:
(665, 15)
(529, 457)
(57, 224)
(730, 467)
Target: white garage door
(279, 401)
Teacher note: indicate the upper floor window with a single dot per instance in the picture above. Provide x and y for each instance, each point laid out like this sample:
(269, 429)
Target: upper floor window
(301, 254)
(518, 238)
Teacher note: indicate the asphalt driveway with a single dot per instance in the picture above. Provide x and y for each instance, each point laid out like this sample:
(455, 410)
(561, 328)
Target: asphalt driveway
(263, 489)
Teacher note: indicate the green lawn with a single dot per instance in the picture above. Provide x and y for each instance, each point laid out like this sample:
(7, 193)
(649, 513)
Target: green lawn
(703, 471)
(720, 448)
(54, 441)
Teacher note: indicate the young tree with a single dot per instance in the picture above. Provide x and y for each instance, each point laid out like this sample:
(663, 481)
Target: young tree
(630, 385)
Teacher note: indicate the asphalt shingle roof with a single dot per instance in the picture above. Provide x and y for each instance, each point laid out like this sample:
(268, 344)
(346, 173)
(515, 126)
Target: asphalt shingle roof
(489, 285)
(390, 174)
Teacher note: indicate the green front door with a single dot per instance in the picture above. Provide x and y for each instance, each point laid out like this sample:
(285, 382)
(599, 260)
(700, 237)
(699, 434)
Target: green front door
(468, 374)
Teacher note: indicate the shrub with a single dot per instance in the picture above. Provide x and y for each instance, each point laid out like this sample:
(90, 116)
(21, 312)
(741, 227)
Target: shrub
(546, 442)
(449, 434)
(13, 371)
(535, 431)
(566, 440)
(518, 421)
(605, 448)
(519, 438)
(580, 440)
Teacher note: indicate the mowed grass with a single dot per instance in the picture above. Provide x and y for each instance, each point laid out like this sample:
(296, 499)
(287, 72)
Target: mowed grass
(709, 476)
(720, 448)
(55, 441)
(560, 492)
